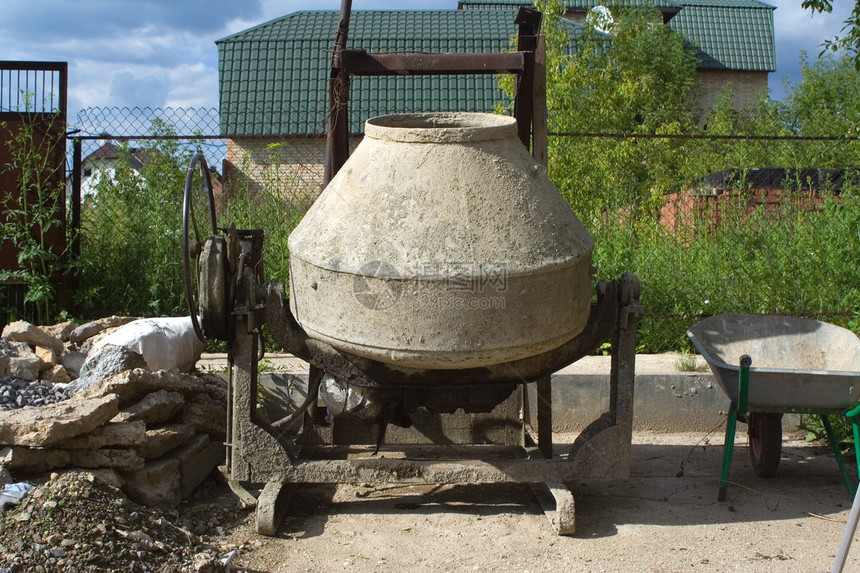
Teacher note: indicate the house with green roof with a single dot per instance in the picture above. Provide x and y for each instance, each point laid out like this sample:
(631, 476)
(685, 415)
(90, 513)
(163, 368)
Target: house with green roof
(273, 77)
(733, 38)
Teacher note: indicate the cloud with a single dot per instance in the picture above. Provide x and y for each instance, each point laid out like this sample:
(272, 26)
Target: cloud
(798, 30)
(130, 90)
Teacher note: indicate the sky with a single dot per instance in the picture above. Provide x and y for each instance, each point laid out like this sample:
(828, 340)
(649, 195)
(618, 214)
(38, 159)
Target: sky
(162, 53)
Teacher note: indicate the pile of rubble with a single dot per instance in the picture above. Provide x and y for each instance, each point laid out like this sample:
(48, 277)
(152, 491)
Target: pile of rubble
(156, 435)
(76, 523)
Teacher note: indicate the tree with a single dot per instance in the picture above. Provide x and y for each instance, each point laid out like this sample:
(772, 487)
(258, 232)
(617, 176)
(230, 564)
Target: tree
(639, 78)
(850, 42)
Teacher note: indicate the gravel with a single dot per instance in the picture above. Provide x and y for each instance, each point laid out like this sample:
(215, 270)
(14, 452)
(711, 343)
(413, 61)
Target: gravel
(76, 523)
(17, 392)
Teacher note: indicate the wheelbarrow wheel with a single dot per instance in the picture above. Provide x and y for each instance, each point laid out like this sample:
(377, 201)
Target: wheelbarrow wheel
(765, 441)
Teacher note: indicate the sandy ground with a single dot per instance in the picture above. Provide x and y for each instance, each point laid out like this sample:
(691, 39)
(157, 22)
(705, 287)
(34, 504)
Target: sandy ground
(665, 517)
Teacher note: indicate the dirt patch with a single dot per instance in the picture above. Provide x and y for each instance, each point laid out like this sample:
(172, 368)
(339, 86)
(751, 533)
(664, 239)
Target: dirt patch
(664, 518)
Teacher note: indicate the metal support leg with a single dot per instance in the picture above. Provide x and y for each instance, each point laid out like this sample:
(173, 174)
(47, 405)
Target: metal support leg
(558, 506)
(837, 453)
(271, 507)
(728, 448)
(256, 454)
(735, 410)
(544, 416)
(604, 446)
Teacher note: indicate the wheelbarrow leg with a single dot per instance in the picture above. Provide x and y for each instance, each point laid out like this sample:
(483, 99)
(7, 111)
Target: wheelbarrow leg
(834, 445)
(732, 423)
(728, 448)
(856, 429)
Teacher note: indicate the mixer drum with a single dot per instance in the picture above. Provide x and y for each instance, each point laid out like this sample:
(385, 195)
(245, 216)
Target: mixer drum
(440, 244)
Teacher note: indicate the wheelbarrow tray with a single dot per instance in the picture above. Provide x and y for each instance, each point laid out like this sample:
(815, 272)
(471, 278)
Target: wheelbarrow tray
(798, 365)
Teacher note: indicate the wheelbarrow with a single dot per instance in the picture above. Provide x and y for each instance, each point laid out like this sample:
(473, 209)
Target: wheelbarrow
(769, 365)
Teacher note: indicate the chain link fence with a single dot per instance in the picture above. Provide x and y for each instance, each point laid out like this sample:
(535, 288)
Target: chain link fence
(705, 228)
(132, 168)
(716, 224)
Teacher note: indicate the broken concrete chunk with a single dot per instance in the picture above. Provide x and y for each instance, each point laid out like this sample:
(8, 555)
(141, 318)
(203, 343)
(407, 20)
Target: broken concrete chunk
(23, 362)
(33, 460)
(208, 416)
(61, 330)
(197, 459)
(23, 331)
(52, 423)
(118, 459)
(154, 408)
(216, 385)
(47, 356)
(162, 440)
(108, 361)
(4, 365)
(130, 386)
(126, 434)
(72, 361)
(26, 366)
(156, 485)
(56, 375)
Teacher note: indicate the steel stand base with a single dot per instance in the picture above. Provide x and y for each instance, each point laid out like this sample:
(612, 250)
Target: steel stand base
(258, 454)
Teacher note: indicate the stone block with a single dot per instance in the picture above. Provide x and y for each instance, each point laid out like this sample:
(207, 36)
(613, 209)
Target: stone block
(56, 375)
(61, 330)
(132, 385)
(24, 363)
(208, 416)
(72, 361)
(154, 408)
(197, 459)
(159, 441)
(33, 460)
(125, 434)
(23, 331)
(108, 361)
(85, 331)
(53, 423)
(157, 484)
(116, 458)
(48, 357)
(4, 365)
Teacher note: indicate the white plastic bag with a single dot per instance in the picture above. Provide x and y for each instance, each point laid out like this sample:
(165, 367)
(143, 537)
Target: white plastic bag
(164, 343)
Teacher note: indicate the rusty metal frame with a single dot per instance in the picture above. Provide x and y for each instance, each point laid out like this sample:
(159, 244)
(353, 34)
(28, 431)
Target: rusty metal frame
(347, 63)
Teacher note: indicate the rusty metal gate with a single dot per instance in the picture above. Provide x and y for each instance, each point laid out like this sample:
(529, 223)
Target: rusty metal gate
(33, 100)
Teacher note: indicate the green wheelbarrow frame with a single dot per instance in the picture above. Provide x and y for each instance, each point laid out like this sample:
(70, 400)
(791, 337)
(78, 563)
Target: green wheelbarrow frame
(741, 410)
(803, 366)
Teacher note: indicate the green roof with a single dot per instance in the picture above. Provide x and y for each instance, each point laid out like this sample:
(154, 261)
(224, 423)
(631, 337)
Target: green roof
(728, 37)
(729, 34)
(273, 77)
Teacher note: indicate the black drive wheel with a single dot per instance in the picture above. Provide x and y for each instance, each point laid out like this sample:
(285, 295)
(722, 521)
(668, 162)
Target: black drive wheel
(192, 239)
(765, 440)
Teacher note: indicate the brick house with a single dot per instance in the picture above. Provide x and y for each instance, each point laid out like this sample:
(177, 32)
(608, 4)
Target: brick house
(734, 38)
(764, 188)
(273, 77)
